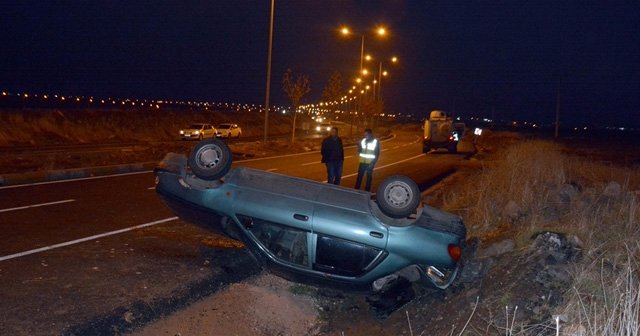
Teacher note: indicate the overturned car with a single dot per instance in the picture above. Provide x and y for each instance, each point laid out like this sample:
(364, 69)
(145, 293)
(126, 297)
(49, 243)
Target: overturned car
(314, 232)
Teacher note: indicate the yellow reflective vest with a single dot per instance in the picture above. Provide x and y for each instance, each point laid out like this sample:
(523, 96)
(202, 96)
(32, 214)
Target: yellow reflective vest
(368, 150)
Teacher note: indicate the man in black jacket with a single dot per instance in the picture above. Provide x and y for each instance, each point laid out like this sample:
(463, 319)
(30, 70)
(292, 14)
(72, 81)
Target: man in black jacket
(333, 156)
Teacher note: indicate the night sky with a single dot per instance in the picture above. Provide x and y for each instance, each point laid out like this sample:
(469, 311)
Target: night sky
(465, 56)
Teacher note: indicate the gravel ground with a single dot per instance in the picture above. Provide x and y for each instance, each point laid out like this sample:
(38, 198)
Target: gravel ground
(247, 308)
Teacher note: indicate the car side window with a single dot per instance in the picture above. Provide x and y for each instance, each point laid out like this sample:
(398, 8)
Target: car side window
(286, 243)
(343, 257)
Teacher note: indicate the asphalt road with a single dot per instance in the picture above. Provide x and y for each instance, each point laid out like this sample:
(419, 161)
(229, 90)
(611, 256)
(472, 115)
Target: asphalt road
(104, 255)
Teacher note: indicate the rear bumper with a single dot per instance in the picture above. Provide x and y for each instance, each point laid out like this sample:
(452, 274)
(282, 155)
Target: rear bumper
(187, 201)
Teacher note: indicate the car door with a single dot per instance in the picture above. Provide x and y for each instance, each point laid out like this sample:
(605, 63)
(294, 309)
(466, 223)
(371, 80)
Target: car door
(277, 212)
(210, 131)
(347, 239)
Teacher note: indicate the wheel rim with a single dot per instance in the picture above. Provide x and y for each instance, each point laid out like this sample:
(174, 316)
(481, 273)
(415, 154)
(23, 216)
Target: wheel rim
(398, 194)
(209, 157)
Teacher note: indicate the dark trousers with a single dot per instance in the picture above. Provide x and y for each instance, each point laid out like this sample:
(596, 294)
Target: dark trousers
(364, 168)
(334, 172)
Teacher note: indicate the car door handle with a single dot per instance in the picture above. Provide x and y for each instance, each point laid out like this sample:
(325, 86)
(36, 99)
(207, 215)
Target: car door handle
(376, 234)
(301, 217)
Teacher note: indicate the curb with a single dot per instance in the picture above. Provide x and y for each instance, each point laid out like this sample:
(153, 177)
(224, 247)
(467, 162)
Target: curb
(67, 174)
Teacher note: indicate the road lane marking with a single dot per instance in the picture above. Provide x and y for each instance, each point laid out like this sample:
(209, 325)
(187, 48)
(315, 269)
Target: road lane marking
(309, 163)
(36, 205)
(272, 169)
(393, 136)
(151, 188)
(82, 240)
(73, 180)
(388, 165)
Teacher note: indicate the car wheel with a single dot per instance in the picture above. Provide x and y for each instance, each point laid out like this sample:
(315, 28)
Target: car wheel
(210, 159)
(239, 134)
(200, 137)
(398, 196)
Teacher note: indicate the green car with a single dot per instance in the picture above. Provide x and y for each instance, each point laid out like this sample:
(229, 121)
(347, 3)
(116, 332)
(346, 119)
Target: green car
(313, 232)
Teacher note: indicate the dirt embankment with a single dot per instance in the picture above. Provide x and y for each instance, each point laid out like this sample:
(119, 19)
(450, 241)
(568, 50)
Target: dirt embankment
(46, 127)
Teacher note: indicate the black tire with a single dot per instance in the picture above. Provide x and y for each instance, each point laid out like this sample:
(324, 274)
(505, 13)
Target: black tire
(398, 196)
(200, 137)
(210, 159)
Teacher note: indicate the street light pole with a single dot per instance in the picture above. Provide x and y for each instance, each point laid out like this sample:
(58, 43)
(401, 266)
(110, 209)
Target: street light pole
(268, 90)
(380, 81)
(361, 54)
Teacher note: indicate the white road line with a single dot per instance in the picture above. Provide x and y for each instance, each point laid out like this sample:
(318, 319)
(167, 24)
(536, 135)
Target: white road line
(151, 188)
(309, 163)
(81, 240)
(36, 205)
(272, 169)
(350, 156)
(73, 180)
(388, 165)
(393, 136)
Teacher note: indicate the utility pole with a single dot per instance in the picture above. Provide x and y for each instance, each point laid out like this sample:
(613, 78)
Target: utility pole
(557, 128)
(268, 93)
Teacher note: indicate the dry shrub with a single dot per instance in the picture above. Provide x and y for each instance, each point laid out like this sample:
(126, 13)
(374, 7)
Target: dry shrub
(515, 187)
(533, 186)
(605, 299)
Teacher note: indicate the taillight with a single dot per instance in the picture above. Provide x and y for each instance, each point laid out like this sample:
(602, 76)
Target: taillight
(455, 252)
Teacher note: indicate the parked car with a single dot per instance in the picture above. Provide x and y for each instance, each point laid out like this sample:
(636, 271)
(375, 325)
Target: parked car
(198, 131)
(228, 131)
(314, 232)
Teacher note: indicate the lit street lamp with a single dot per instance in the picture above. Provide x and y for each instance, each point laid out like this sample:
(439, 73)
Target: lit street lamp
(380, 31)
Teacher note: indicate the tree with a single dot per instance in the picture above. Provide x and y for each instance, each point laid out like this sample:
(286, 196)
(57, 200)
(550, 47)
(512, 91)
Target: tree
(333, 90)
(295, 90)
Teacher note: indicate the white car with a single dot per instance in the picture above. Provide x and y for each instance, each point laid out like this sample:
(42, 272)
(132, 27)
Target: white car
(198, 131)
(228, 131)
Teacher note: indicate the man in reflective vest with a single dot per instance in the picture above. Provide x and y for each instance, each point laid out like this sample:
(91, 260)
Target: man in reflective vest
(368, 152)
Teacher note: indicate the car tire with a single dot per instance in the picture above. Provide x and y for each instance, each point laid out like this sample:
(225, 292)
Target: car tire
(398, 196)
(210, 159)
(200, 137)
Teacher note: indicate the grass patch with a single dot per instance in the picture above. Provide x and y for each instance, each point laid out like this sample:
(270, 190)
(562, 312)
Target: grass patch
(530, 186)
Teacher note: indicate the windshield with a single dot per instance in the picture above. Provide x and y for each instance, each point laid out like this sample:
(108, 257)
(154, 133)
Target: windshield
(195, 126)
(224, 126)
